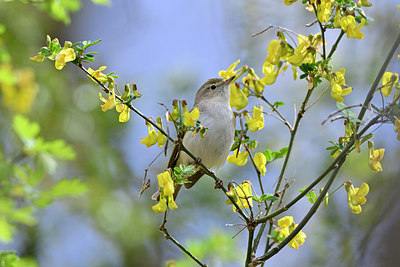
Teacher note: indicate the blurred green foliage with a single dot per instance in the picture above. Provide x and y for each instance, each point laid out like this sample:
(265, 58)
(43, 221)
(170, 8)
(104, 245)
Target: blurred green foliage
(60, 9)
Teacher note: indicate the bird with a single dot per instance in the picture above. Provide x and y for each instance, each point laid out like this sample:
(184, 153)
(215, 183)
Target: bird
(212, 101)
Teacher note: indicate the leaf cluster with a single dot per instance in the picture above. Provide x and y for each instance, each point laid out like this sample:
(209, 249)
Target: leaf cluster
(25, 180)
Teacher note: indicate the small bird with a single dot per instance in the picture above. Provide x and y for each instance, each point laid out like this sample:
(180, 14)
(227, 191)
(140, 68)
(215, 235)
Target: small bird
(212, 101)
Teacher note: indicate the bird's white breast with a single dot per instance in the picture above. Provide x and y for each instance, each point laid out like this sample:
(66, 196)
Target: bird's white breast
(214, 148)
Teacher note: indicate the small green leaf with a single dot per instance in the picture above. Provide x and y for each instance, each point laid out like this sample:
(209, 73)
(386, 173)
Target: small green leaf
(68, 187)
(268, 197)
(279, 103)
(268, 154)
(280, 154)
(8, 259)
(57, 148)
(101, 2)
(43, 200)
(6, 234)
(24, 128)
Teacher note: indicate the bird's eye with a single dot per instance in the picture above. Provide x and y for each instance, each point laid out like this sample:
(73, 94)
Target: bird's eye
(213, 87)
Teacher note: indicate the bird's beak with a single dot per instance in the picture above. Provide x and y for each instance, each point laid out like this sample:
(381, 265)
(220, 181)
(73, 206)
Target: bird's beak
(228, 81)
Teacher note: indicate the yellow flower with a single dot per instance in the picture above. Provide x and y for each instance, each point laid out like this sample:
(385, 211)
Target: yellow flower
(242, 195)
(260, 160)
(276, 50)
(286, 221)
(337, 80)
(238, 98)
(257, 122)
(165, 183)
(356, 196)
(38, 58)
(152, 138)
(348, 25)
(298, 240)
(124, 112)
(270, 71)
(397, 128)
(253, 81)
(374, 157)
(364, 3)
(287, 226)
(226, 74)
(175, 112)
(161, 206)
(336, 19)
(302, 50)
(167, 189)
(110, 102)
(18, 89)
(101, 77)
(324, 10)
(240, 159)
(161, 139)
(289, 2)
(64, 56)
(388, 81)
(189, 117)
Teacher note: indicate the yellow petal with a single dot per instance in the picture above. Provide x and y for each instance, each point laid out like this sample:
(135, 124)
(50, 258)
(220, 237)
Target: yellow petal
(124, 115)
(237, 97)
(165, 181)
(285, 221)
(160, 207)
(260, 160)
(171, 203)
(240, 160)
(190, 117)
(151, 139)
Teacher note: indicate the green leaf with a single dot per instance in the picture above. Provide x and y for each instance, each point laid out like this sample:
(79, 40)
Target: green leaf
(268, 154)
(23, 215)
(6, 234)
(8, 259)
(24, 128)
(349, 114)
(268, 197)
(280, 154)
(43, 200)
(101, 2)
(57, 148)
(177, 171)
(68, 187)
(279, 103)
(310, 195)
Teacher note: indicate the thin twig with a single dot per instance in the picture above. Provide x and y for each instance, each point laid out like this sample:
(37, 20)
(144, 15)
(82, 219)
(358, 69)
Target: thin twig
(187, 252)
(300, 115)
(338, 111)
(274, 109)
(311, 23)
(285, 30)
(322, 31)
(316, 100)
(333, 49)
(378, 78)
(256, 169)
